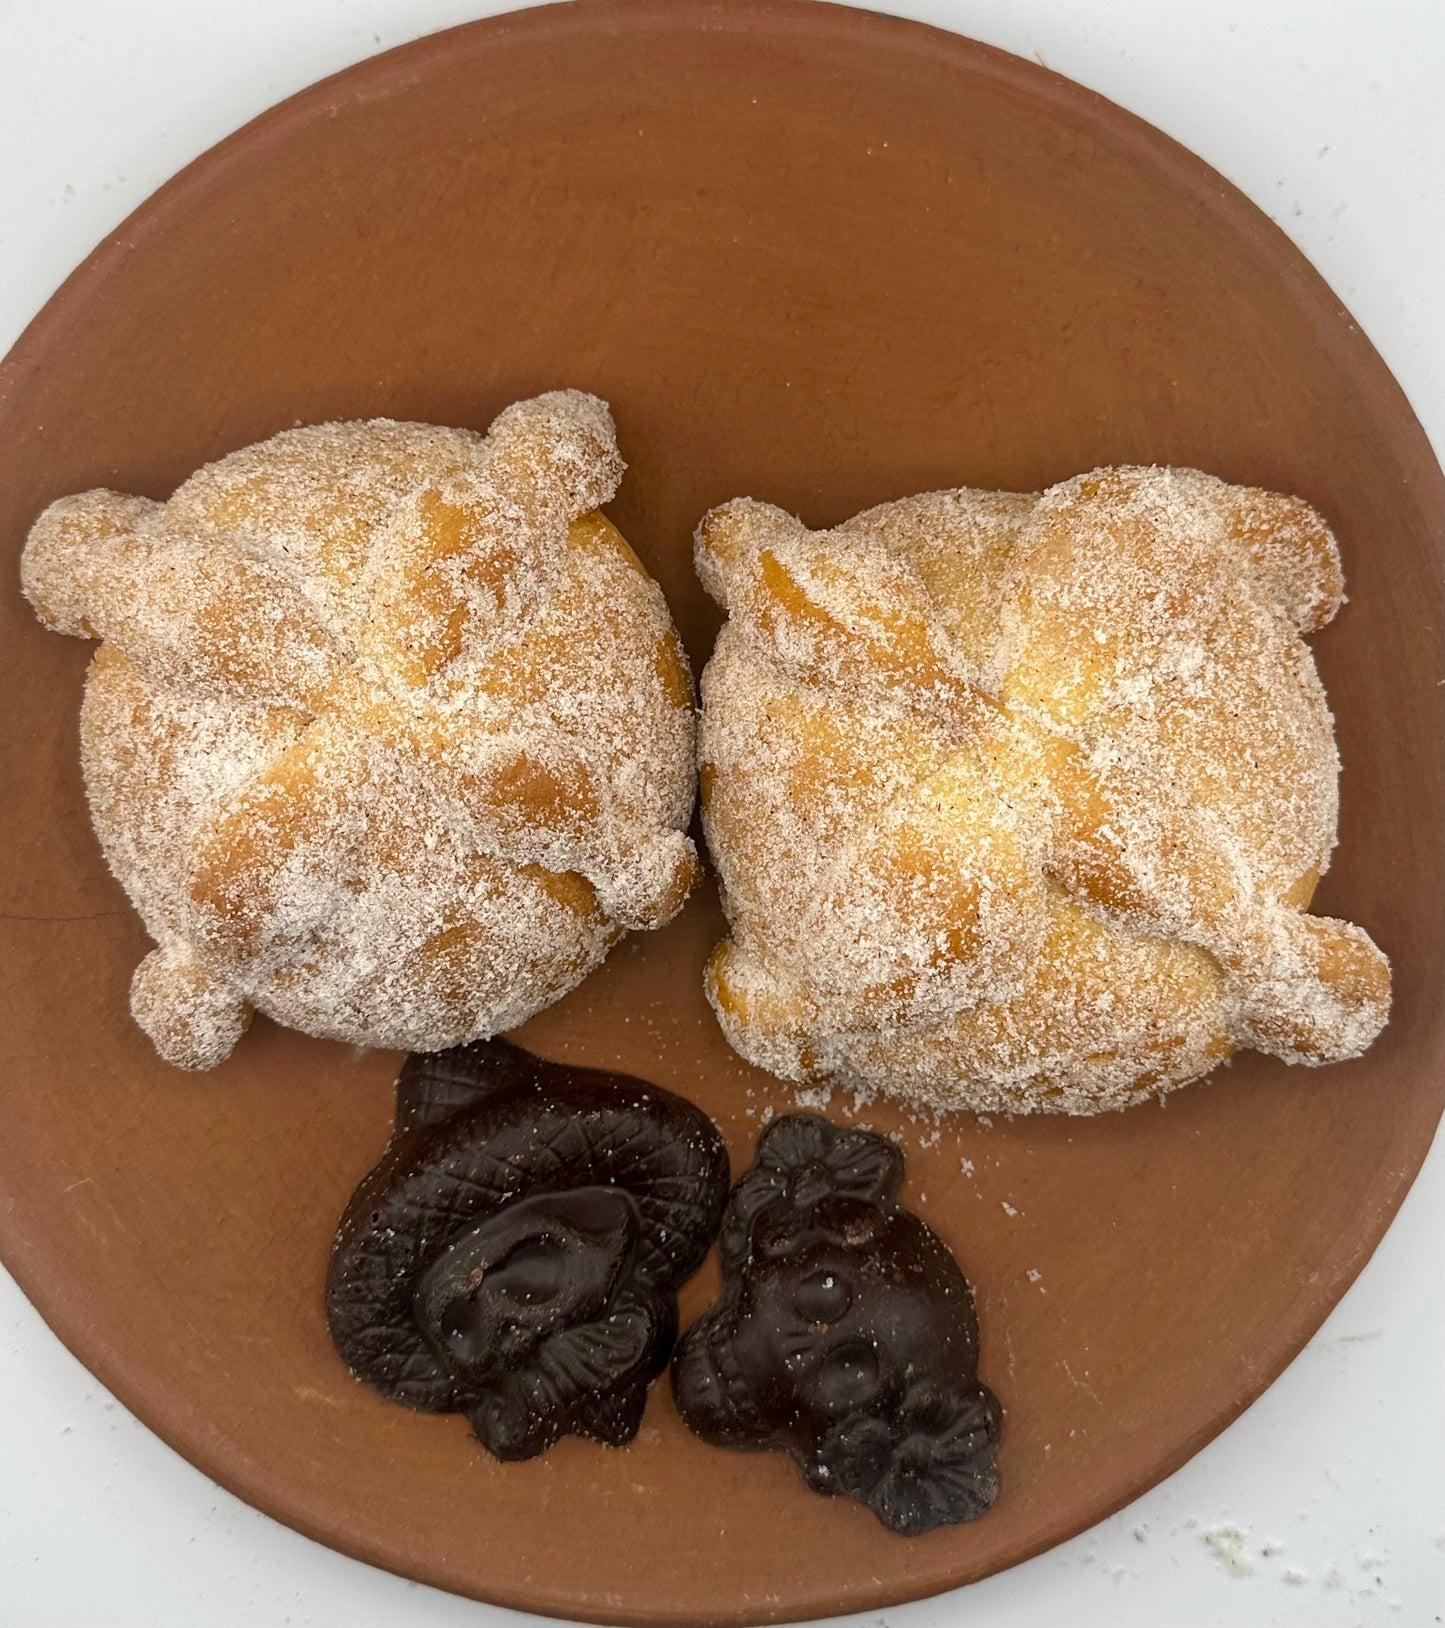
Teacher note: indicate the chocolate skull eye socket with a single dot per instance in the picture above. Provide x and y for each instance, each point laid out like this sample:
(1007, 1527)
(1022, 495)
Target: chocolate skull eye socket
(847, 1378)
(531, 1274)
(852, 1221)
(822, 1297)
(776, 1229)
(464, 1330)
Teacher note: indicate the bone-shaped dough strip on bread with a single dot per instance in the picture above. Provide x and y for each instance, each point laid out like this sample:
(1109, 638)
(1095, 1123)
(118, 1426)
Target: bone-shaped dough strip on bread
(193, 1018)
(1305, 987)
(960, 544)
(1291, 548)
(183, 610)
(465, 564)
(306, 810)
(534, 800)
(855, 616)
(541, 780)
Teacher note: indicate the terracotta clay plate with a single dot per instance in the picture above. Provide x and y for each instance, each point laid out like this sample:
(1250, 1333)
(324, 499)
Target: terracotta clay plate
(825, 258)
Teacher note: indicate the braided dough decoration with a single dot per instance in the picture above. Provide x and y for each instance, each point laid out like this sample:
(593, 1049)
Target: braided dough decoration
(1018, 802)
(389, 735)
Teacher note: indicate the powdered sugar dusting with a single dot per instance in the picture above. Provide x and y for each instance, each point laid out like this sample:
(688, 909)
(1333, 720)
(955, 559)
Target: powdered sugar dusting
(1018, 802)
(390, 736)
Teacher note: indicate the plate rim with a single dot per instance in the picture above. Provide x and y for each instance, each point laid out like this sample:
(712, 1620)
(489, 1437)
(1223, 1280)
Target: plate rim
(377, 77)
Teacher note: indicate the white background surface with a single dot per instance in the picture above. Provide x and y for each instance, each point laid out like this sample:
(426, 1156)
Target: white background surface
(1325, 1504)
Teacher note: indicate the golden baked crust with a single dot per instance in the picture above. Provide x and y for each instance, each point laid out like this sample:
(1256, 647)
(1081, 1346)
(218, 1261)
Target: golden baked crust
(389, 734)
(1017, 802)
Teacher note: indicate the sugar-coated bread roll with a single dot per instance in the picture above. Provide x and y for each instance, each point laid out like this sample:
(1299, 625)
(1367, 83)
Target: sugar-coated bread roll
(1018, 802)
(389, 735)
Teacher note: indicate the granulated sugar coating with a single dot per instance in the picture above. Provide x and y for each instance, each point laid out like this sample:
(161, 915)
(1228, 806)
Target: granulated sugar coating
(389, 735)
(1018, 802)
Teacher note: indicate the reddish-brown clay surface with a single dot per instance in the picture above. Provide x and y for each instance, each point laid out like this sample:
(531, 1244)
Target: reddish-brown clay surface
(824, 258)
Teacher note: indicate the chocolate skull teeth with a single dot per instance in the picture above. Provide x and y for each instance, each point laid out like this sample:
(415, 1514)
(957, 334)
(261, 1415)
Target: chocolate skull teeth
(516, 1253)
(845, 1334)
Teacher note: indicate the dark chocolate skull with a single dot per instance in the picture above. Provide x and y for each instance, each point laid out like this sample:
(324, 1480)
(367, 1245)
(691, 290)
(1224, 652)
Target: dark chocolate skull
(516, 1253)
(845, 1334)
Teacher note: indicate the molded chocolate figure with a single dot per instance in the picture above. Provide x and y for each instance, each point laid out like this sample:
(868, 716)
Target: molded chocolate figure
(845, 1334)
(516, 1253)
